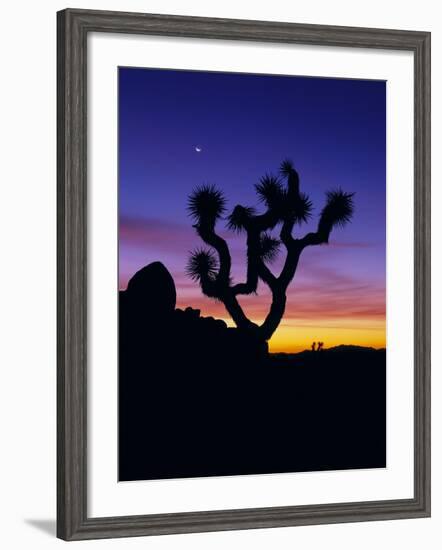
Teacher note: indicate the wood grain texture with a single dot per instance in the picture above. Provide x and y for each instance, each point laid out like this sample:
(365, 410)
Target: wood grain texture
(72, 520)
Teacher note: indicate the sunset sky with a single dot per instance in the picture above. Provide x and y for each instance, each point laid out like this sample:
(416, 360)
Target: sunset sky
(244, 126)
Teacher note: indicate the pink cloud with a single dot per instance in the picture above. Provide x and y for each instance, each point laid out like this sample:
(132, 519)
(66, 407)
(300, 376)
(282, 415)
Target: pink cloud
(154, 233)
(354, 244)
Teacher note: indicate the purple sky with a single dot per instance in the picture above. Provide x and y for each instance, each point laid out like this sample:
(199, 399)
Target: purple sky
(245, 125)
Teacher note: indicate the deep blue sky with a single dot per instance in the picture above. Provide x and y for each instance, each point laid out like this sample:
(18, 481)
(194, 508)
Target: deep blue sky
(333, 130)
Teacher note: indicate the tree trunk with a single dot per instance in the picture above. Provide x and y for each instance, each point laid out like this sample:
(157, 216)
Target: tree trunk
(275, 314)
(235, 311)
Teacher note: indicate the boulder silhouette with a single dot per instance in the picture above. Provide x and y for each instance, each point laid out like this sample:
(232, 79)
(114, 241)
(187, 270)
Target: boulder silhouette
(152, 289)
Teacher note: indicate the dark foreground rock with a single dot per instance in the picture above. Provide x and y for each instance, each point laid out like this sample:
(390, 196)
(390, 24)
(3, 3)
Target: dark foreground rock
(198, 399)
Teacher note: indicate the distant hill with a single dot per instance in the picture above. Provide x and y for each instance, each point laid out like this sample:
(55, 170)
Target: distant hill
(343, 348)
(335, 358)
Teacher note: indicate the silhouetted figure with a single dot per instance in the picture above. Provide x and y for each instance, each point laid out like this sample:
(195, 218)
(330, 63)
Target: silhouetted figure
(286, 207)
(314, 346)
(320, 346)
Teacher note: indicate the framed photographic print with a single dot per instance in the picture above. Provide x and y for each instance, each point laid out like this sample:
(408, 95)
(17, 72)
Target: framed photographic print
(243, 274)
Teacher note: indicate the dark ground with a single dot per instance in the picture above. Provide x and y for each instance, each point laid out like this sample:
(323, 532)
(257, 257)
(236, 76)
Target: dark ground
(199, 399)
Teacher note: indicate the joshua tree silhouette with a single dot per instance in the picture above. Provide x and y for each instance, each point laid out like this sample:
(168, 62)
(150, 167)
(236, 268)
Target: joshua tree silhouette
(286, 206)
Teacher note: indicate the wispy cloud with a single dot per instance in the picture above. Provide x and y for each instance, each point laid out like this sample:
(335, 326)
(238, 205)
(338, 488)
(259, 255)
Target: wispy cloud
(355, 244)
(144, 240)
(153, 233)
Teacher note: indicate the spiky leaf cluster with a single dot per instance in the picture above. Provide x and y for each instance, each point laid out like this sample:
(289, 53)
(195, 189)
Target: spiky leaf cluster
(338, 209)
(271, 192)
(286, 167)
(268, 247)
(202, 264)
(206, 204)
(289, 172)
(240, 217)
(301, 208)
(287, 203)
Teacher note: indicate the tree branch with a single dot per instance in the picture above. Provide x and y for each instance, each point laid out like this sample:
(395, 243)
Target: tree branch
(266, 275)
(209, 236)
(220, 288)
(286, 233)
(312, 239)
(254, 226)
(252, 269)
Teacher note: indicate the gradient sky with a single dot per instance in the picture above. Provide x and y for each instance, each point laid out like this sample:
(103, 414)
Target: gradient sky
(332, 129)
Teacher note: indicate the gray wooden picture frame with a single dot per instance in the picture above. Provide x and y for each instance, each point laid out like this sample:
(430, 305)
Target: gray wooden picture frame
(74, 25)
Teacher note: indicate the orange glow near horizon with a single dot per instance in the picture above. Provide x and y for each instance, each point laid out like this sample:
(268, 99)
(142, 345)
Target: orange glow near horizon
(335, 311)
(294, 336)
(327, 302)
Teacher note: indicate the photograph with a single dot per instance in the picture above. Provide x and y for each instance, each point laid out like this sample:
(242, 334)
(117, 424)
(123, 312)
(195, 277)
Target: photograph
(251, 273)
